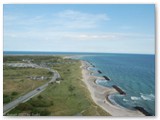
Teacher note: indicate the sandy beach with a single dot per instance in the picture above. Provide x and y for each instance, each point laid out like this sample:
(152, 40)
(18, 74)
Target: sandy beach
(100, 93)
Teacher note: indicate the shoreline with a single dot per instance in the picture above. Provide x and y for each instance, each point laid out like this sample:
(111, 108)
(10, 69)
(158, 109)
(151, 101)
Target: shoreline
(99, 93)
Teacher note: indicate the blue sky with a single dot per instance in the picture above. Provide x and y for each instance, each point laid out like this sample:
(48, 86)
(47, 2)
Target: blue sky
(80, 28)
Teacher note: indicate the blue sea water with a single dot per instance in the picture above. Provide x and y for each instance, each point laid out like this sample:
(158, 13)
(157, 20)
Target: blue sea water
(133, 73)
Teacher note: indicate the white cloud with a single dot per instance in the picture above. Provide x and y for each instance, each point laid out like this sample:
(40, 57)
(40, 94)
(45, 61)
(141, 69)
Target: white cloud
(80, 16)
(92, 36)
(11, 20)
(67, 19)
(66, 29)
(76, 19)
(52, 35)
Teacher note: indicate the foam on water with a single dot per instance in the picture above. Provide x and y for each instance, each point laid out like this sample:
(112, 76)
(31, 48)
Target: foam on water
(149, 97)
(103, 82)
(125, 100)
(135, 98)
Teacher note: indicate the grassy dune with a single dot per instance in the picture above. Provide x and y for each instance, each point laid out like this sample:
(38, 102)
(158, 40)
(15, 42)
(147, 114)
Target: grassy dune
(71, 97)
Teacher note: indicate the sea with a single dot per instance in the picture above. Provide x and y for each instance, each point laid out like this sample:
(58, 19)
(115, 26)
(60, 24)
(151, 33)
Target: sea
(133, 73)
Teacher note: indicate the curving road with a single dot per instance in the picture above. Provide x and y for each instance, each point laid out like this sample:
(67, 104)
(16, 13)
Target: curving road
(26, 97)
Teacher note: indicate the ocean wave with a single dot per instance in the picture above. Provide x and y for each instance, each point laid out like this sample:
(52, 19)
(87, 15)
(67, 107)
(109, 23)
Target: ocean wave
(135, 98)
(112, 100)
(89, 68)
(125, 100)
(149, 97)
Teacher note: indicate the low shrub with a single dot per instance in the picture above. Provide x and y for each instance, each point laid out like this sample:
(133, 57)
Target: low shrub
(38, 112)
(24, 106)
(6, 99)
(14, 93)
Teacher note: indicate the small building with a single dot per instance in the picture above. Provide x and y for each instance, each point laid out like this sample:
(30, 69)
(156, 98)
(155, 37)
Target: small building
(58, 81)
(38, 77)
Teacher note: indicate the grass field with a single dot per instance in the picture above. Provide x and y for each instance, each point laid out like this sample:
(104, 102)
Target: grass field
(69, 98)
(16, 81)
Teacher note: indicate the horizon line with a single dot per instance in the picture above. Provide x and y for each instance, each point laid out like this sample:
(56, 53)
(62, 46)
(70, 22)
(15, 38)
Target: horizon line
(82, 52)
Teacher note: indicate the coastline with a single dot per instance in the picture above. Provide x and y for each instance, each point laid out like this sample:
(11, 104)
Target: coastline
(99, 95)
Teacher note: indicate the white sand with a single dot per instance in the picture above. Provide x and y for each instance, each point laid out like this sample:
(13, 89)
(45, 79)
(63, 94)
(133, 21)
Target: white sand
(99, 93)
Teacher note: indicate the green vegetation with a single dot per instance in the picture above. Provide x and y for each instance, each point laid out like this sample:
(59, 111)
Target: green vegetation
(49, 60)
(14, 93)
(6, 98)
(17, 81)
(70, 97)
(30, 108)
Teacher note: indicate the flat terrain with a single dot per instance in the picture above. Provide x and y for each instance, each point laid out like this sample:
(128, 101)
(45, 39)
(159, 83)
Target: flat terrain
(68, 96)
(17, 81)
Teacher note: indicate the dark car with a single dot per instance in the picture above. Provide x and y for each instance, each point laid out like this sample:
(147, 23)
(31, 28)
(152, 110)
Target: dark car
(38, 89)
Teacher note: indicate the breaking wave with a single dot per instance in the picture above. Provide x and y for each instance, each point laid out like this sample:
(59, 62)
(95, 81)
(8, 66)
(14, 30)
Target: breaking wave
(135, 98)
(147, 97)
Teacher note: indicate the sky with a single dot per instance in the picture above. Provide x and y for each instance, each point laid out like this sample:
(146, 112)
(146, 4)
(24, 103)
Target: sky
(106, 28)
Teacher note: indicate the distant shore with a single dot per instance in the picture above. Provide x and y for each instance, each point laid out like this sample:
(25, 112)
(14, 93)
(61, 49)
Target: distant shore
(100, 94)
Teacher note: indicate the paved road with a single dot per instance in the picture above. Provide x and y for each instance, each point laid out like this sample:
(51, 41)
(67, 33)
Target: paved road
(31, 94)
